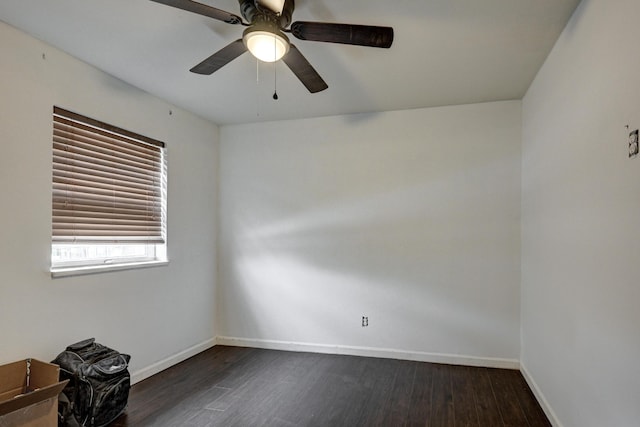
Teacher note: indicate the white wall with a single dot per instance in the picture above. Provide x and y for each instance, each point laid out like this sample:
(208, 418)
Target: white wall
(154, 313)
(581, 221)
(411, 218)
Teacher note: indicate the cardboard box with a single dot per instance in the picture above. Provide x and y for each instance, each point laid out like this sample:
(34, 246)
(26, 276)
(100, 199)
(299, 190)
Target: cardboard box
(29, 392)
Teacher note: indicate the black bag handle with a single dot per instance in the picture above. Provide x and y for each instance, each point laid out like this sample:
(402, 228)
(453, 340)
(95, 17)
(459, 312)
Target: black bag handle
(81, 344)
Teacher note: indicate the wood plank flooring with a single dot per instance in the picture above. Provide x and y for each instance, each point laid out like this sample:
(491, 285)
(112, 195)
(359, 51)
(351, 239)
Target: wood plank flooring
(231, 386)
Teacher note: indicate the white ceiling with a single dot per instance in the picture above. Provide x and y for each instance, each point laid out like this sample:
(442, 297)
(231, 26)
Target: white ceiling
(445, 52)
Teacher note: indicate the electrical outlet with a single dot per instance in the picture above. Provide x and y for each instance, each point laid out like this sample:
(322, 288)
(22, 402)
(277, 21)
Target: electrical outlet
(633, 143)
(365, 321)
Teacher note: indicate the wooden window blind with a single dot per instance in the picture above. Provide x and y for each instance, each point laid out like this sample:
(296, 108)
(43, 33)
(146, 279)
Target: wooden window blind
(108, 183)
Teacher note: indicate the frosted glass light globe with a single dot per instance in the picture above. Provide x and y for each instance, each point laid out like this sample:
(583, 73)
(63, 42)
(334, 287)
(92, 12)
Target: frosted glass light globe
(266, 46)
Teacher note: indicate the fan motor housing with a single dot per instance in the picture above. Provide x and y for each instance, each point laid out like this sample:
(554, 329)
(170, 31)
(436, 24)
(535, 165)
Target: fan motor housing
(252, 12)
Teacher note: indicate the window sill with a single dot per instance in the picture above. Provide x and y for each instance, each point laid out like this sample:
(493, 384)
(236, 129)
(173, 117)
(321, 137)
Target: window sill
(94, 269)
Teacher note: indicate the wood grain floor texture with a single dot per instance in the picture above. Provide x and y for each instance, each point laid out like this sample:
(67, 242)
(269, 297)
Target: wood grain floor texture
(244, 387)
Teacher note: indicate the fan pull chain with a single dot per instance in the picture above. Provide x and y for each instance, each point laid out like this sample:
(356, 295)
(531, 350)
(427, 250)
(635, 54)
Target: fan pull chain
(257, 88)
(275, 70)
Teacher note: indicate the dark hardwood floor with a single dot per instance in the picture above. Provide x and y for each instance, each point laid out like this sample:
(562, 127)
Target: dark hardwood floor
(231, 386)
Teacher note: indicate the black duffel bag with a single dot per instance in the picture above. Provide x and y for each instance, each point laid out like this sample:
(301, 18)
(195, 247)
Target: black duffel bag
(99, 384)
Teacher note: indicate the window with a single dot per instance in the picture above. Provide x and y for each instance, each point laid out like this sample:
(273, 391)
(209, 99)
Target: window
(108, 197)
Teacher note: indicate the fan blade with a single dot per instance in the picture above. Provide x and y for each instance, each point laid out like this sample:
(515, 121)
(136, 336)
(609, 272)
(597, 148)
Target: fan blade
(220, 58)
(303, 70)
(203, 9)
(360, 35)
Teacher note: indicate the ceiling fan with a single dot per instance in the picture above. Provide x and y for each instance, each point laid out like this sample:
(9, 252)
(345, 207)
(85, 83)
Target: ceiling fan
(266, 22)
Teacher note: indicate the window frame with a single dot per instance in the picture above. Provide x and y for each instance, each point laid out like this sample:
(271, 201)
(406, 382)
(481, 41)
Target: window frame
(153, 250)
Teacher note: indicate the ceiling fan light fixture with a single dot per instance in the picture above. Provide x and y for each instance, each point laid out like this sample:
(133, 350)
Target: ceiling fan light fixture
(267, 46)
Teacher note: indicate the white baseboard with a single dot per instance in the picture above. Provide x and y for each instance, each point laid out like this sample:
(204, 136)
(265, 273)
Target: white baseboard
(548, 410)
(385, 353)
(145, 373)
(417, 356)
